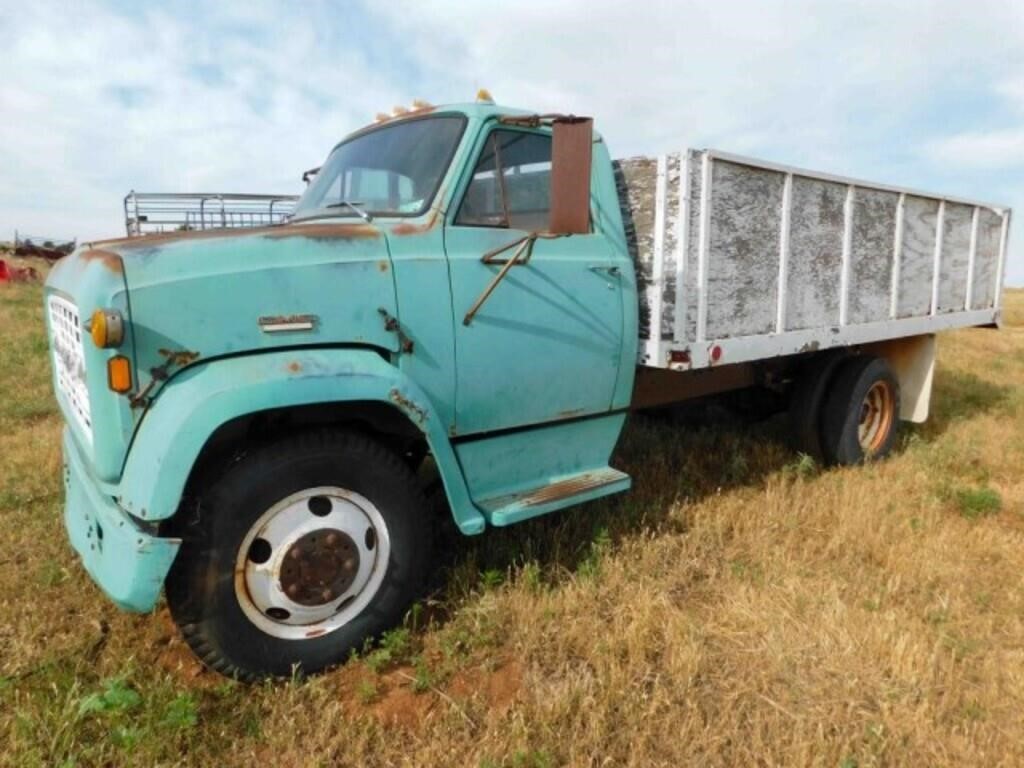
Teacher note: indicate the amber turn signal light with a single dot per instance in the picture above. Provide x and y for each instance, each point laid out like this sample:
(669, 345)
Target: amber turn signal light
(106, 326)
(119, 374)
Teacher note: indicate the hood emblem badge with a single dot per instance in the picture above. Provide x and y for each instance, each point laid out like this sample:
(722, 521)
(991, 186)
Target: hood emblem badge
(287, 323)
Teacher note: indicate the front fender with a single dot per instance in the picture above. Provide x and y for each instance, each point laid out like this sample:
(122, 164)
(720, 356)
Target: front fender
(204, 397)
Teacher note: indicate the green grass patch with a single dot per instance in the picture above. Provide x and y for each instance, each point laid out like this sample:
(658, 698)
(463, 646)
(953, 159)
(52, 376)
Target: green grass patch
(975, 503)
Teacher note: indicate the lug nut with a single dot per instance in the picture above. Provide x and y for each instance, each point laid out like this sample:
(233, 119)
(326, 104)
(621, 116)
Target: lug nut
(332, 539)
(349, 564)
(326, 595)
(293, 590)
(295, 553)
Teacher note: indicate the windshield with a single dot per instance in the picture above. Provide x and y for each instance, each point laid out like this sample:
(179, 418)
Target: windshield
(390, 171)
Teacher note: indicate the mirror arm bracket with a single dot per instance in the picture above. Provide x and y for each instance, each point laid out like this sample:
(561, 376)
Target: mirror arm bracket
(523, 251)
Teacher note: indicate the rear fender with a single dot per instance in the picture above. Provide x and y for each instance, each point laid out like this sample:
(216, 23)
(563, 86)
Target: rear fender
(913, 361)
(195, 403)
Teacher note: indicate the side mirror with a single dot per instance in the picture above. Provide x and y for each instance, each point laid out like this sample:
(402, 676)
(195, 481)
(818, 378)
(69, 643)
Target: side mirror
(571, 155)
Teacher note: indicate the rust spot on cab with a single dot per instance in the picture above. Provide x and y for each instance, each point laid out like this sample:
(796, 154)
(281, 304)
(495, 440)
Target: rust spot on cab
(410, 407)
(179, 357)
(108, 259)
(322, 231)
(569, 414)
(563, 489)
(382, 266)
(405, 228)
(294, 366)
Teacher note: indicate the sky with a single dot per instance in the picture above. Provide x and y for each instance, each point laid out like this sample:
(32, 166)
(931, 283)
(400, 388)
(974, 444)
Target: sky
(98, 98)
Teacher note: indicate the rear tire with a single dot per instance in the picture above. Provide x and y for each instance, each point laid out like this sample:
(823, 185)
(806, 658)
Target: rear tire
(298, 554)
(861, 413)
(806, 402)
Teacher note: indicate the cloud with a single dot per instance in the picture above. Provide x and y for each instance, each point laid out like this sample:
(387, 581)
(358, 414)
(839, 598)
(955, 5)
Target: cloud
(96, 102)
(999, 149)
(927, 95)
(243, 96)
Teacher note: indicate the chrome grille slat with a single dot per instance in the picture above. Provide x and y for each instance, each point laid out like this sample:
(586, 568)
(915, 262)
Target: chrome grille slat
(69, 360)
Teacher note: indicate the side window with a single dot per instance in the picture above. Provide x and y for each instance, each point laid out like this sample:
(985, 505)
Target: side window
(511, 184)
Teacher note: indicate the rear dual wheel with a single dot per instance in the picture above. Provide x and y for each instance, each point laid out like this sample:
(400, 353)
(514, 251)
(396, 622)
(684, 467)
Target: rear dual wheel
(301, 552)
(846, 411)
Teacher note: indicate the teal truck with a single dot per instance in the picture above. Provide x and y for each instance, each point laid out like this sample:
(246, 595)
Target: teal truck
(247, 408)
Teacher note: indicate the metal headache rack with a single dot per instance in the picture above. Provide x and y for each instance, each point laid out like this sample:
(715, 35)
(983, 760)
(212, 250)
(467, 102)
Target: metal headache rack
(147, 212)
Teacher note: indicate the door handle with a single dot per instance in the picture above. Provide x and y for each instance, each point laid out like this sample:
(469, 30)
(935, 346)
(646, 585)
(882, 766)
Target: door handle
(603, 269)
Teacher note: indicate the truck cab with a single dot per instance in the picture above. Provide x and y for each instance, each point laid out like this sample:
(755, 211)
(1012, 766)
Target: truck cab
(246, 409)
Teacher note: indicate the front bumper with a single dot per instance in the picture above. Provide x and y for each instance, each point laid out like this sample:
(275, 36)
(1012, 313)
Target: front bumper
(127, 563)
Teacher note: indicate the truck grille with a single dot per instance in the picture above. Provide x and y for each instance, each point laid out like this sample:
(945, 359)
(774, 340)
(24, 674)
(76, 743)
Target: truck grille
(69, 360)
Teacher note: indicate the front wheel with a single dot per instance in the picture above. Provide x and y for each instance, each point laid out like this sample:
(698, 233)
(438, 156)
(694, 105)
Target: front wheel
(298, 554)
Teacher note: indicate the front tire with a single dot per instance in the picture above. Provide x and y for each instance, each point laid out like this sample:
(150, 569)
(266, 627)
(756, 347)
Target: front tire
(298, 554)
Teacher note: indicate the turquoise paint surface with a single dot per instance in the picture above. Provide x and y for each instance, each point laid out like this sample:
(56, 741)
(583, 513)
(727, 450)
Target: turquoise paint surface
(92, 283)
(551, 354)
(203, 397)
(127, 563)
(507, 463)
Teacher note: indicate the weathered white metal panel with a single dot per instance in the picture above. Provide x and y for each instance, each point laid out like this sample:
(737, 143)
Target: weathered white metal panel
(650, 237)
(739, 259)
(1004, 240)
(682, 232)
(844, 274)
(703, 244)
(743, 253)
(787, 211)
(917, 256)
(692, 245)
(956, 250)
(871, 255)
(657, 280)
(815, 253)
(897, 257)
(986, 259)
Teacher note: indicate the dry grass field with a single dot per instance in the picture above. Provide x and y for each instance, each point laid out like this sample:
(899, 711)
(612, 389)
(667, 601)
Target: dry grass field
(739, 607)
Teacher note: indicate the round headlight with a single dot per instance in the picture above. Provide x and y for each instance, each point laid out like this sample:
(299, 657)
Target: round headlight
(106, 327)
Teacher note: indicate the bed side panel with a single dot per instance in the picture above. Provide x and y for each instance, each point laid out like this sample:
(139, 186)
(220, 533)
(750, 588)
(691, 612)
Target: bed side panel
(815, 254)
(871, 255)
(956, 249)
(986, 259)
(917, 256)
(743, 250)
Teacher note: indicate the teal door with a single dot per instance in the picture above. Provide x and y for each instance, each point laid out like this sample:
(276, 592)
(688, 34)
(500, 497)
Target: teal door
(545, 344)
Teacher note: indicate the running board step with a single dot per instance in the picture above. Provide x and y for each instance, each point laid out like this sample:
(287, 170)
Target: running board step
(562, 492)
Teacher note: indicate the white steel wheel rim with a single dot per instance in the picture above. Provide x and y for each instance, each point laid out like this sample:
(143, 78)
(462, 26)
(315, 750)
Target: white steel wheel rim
(311, 563)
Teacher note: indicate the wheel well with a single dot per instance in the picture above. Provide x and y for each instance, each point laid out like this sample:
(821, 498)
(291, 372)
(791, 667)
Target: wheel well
(911, 358)
(383, 421)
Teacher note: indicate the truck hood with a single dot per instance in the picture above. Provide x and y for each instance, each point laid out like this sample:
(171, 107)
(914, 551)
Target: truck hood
(194, 296)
